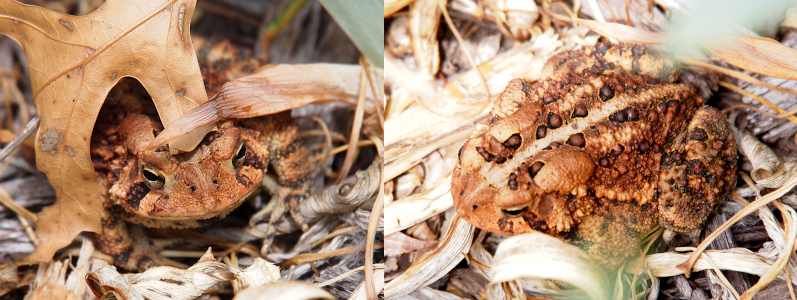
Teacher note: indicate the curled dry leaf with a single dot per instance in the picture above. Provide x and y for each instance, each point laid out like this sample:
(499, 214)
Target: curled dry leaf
(398, 243)
(768, 171)
(175, 284)
(52, 281)
(765, 161)
(9, 279)
(272, 89)
(538, 255)
(74, 61)
(344, 197)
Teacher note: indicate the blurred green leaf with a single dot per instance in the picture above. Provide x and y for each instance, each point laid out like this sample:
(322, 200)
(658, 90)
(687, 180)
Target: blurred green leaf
(708, 23)
(362, 21)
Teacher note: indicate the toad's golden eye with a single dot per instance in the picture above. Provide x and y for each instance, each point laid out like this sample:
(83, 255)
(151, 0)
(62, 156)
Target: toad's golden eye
(153, 176)
(240, 155)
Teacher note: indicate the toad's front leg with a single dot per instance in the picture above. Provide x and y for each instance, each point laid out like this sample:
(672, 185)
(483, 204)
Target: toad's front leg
(129, 246)
(289, 158)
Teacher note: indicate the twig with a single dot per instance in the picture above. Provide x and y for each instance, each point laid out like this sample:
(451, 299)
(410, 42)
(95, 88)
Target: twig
(310, 257)
(32, 126)
(328, 137)
(6, 200)
(380, 112)
(341, 149)
(347, 274)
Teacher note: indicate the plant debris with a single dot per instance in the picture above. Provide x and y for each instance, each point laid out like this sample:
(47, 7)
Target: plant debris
(431, 114)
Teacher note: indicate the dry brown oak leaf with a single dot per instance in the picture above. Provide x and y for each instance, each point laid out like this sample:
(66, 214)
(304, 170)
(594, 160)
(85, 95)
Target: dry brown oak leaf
(74, 61)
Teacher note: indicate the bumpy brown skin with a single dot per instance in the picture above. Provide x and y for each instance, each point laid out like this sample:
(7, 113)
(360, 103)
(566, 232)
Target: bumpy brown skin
(598, 154)
(200, 187)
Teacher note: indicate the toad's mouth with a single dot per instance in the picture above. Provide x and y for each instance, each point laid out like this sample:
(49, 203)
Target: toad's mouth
(180, 217)
(514, 212)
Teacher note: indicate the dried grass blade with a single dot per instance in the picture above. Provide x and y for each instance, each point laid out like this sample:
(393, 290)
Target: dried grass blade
(356, 127)
(437, 264)
(285, 290)
(736, 259)
(272, 89)
(424, 21)
(761, 55)
(790, 224)
(392, 6)
(373, 222)
(379, 279)
(626, 33)
(781, 113)
(736, 74)
(402, 214)
(538, 255)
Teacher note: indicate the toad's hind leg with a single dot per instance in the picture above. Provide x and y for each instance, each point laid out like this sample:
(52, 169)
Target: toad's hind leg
(698, 170)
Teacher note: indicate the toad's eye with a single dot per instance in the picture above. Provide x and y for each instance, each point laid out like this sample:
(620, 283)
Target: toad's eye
(153, 176)
(240, 155)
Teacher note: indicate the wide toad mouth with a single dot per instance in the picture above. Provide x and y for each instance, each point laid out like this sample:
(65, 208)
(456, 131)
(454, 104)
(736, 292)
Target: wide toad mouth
(514, 212)
(222, 211)
(196, 213)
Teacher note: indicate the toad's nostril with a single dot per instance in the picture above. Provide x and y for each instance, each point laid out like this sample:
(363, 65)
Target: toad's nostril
(515, 212)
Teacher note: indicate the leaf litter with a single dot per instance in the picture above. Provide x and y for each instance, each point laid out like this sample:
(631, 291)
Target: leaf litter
(408, 147)
(321, 236)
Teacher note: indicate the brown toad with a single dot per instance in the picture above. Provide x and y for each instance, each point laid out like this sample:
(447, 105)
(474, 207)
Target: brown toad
(155, 189)
(599, 152)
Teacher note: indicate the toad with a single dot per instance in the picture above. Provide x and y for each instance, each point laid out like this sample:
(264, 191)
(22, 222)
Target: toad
(155, 189)
(600, 151)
